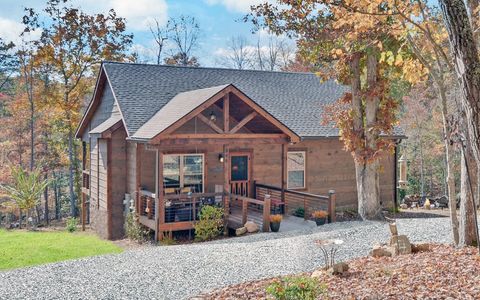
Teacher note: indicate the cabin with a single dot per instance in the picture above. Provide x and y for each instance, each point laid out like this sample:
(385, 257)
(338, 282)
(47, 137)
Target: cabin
(167, 140)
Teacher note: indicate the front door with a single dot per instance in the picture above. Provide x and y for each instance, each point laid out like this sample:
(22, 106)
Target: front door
(240, 168)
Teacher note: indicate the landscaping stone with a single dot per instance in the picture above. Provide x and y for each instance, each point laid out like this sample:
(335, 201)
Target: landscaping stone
(317, 273)
(338, 269)
(251, 227)
(240, 231)
(421, 247)
(382, 251)
(403, 206)
(401, 244)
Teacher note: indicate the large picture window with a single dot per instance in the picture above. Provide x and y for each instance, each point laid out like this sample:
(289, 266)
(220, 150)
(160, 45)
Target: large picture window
(296, 169)
(183, 173)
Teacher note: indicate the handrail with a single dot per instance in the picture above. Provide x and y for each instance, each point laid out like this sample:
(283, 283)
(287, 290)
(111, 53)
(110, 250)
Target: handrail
(189, 196)
(291, 191)
(250, 200)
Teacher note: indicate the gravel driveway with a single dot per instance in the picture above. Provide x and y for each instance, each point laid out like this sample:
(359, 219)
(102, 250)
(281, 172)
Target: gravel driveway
(178, 272)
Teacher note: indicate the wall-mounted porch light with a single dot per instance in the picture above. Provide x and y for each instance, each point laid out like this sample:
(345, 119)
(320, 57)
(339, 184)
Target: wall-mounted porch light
(213, 117)
(220, 158)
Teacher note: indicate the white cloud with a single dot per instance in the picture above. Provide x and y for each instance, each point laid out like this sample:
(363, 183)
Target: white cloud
(141, 13)
(242, 6)
(10, 31)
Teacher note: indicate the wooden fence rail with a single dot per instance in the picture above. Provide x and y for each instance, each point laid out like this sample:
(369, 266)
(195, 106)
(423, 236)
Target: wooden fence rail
(266, 207)
(291, 200)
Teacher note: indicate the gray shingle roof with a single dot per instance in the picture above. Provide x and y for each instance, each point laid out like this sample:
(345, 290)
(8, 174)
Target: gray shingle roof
(295, 99)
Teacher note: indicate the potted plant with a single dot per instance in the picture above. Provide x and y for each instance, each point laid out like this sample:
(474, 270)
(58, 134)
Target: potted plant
(320, 217)
(275, 221)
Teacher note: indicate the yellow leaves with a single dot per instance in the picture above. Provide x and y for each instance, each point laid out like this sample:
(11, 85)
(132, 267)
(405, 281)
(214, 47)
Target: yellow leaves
(413, 71)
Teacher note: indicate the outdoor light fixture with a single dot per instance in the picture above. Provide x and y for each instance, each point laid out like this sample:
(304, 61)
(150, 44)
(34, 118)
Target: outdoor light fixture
(220, 158)
(213, 117)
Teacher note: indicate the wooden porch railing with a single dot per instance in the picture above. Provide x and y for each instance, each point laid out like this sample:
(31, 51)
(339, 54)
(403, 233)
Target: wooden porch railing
(246, 203)
(292, 200)
(240, 188)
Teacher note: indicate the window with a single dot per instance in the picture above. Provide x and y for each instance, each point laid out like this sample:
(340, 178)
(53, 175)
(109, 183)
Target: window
(296, 169)
(183, 172)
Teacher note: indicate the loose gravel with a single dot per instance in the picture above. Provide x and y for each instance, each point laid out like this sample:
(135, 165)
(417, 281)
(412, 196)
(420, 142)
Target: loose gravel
(183, 271)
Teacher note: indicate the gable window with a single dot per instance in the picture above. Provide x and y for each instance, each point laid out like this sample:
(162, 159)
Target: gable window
(183, 173)
(296, 169)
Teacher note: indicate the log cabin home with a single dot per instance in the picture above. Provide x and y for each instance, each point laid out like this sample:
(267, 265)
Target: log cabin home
(171, 139)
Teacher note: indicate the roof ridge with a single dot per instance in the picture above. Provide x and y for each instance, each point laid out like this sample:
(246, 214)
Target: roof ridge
(206, 68)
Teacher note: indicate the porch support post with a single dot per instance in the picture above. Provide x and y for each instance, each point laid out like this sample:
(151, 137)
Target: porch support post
(159, 200)
(226, 184)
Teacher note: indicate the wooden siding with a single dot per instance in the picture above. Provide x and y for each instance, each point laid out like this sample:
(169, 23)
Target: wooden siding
(118, 185)
(105, 110)
(328, 167)
(131, 168)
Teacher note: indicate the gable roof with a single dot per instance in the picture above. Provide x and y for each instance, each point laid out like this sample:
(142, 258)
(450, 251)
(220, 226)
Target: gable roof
(295, 99)
(106, 125)
(177, 108)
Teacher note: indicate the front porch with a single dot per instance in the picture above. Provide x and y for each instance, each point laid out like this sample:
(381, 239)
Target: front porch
(180, 211)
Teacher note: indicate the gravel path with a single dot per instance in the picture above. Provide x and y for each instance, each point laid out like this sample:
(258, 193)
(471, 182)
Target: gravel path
(179, 272)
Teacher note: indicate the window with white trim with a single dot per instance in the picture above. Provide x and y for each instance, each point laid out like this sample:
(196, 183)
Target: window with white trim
(183, 172)
(296, 169)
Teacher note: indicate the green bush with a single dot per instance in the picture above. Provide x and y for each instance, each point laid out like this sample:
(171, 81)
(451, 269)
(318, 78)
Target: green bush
(72, 224)
(133, 229)
(299, 212)
(210, 224)
(296, 288)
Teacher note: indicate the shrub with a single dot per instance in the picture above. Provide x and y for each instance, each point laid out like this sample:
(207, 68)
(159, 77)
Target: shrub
(167, 239)
(319, 214)
(133, 229)
(299, 212)
(72, 224)
(296, 288)
(210, 224)
(276, 218)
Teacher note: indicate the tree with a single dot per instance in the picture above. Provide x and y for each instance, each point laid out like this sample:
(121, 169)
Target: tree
(8, 63)
(185, 32)
(467, 66)
(26, 189)
(74, 43)
(238, 54)
(366, 53)
(160, 34)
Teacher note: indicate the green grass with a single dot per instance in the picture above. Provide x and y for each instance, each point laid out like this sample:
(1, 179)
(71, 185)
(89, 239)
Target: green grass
(24, 248)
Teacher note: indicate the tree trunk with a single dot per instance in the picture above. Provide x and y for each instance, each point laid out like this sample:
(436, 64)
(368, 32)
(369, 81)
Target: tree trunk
(45, 197)
(452, 199)
(56, 196)
(467, 66)
(71, 166)
(467, 221)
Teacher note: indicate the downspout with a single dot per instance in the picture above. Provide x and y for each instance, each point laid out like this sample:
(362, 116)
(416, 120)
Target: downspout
(157, 189)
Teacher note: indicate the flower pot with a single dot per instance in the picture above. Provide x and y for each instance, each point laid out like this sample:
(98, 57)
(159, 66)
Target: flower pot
(275, 227)
(320, 221)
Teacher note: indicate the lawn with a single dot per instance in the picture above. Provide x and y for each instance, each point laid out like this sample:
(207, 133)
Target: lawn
(24, 248)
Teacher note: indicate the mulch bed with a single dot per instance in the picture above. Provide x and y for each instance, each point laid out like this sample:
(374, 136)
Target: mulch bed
(442, 273)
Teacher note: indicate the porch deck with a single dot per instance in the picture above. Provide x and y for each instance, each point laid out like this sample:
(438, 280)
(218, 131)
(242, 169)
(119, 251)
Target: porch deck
(181, 211)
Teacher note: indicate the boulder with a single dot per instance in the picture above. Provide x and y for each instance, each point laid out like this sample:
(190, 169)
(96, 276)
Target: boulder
(317, 273)
(403, 206)
(381, 251)
(240, 231)
(251, 226)
(422, 247)
(338, 269)
(401, 244)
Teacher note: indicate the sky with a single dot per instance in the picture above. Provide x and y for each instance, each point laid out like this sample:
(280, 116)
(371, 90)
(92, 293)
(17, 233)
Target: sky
(219, 20)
